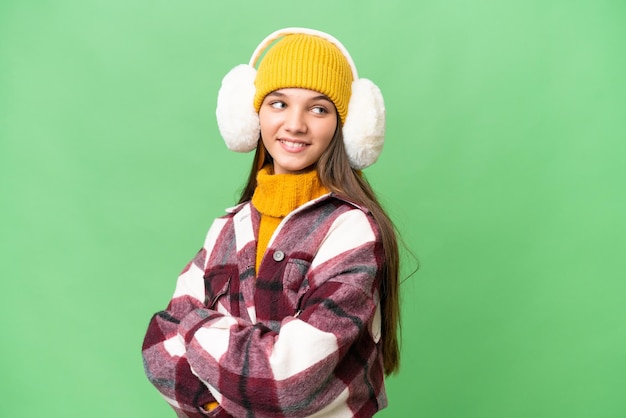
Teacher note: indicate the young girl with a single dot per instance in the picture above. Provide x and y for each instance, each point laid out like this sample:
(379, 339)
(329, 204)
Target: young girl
(290, 309)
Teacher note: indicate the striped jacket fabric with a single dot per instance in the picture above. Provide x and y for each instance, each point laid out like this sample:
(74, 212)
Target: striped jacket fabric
(300, 338)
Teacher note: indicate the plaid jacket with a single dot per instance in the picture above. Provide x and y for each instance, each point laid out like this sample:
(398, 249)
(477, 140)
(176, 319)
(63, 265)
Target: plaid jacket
(300, 338)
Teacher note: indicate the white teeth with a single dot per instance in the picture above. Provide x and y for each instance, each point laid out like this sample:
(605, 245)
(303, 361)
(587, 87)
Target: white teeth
(293, 144)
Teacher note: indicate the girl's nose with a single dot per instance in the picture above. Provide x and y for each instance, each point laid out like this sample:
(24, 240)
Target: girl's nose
(295, 121)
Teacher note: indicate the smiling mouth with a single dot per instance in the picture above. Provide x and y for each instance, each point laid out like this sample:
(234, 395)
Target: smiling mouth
(292, 144)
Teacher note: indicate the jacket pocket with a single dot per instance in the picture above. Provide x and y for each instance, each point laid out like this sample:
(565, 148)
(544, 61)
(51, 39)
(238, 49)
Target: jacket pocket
(295, 283)
(216, 284)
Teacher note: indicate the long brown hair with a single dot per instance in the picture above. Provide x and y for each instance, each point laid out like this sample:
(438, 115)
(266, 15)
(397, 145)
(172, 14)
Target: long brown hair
(336, 174)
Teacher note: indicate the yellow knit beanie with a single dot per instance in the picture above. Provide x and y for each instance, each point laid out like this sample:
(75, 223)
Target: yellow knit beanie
(305, 61)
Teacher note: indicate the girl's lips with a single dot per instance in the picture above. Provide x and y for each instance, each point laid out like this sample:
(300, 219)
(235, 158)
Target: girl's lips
(293, 146)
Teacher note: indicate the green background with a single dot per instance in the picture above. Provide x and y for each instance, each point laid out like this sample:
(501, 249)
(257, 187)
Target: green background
(503, 169)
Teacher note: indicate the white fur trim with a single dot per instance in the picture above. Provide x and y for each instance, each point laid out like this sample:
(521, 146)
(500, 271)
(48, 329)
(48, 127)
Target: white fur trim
(237, 120)
(364, 130)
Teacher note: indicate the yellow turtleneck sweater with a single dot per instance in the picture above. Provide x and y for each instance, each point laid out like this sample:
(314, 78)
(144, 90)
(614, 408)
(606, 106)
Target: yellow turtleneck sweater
(278, 194)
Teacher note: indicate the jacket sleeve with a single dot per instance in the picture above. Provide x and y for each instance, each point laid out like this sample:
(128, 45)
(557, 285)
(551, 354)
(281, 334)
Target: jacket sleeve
(310, 360)
(164, 352)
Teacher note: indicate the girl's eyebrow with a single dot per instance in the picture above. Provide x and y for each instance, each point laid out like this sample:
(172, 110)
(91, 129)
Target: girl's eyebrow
(320, 97)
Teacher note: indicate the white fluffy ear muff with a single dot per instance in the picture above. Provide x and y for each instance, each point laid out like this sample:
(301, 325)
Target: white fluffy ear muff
(238, 122)
(364, 130)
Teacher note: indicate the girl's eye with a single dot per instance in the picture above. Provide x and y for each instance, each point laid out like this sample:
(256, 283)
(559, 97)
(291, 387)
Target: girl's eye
(278, 105)
(319, 110)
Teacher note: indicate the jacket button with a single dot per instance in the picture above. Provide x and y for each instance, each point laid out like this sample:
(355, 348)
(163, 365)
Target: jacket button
(279, 256)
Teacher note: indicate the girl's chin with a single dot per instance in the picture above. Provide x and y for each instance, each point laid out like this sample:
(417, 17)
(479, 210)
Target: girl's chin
(292, 168)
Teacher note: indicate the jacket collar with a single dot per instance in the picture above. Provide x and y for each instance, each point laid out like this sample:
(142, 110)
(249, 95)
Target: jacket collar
(328, 196)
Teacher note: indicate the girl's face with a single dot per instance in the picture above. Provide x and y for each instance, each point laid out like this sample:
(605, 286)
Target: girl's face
(297, 126)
